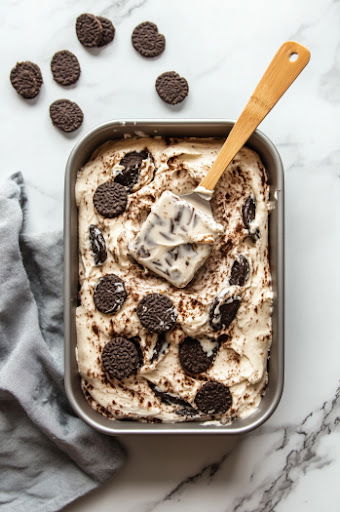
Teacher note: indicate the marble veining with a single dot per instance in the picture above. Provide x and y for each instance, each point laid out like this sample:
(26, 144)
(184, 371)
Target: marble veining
(291, 462)
(296, 448)
(124, 7)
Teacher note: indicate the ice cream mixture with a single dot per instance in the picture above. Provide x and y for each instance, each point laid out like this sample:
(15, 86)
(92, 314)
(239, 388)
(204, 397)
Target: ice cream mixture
(159, 353)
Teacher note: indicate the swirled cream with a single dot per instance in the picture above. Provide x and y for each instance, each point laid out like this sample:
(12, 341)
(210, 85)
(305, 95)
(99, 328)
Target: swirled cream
(226, 308)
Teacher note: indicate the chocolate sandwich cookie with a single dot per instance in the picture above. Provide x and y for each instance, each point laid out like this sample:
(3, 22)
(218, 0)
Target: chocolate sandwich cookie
(147, 40)
(108, 33)
(65, 67)
(213, 398)
(193, 358)
(223, 312)
(32, 68)
(132, 163)
(157, 313)
(184, 407)
(26, 78)
(109, 294)
(98, 244)
(89, 30)
(171, 87)
(121, 358)
(248, 211)
(239, 271)
(66, 115)
(160, 347)
(248, 216)
(110, 199)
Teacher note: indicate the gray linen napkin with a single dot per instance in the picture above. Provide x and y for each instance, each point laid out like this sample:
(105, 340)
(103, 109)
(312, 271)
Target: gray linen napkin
(48, 456)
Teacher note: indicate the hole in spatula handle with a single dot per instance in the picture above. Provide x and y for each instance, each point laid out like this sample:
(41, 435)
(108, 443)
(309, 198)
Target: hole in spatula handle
(293, 57)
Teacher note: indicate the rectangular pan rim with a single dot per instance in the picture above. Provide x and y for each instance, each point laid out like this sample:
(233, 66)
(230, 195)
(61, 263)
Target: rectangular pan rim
(150, 428)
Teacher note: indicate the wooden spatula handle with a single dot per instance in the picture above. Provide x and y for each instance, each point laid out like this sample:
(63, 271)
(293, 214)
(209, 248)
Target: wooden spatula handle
(286, 65)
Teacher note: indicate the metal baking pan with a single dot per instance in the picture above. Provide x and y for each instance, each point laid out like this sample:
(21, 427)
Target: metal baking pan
(182, 128)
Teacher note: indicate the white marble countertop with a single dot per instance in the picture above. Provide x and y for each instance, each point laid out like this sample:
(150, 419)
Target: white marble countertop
(221, 47)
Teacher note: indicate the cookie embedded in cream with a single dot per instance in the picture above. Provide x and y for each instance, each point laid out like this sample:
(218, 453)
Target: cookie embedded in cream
(175, 240)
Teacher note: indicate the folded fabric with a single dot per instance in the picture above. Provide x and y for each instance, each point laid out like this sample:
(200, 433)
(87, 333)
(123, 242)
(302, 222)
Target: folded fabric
(48, 456)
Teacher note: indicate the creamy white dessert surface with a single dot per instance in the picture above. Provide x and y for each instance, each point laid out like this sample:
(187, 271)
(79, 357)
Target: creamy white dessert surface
(222, 52)
(240, 360)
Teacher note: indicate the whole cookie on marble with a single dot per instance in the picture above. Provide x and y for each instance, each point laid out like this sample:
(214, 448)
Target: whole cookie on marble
(108, 33)
(66, 115)
(98, 244)
(147, 40)
(26, 78)
(26, 85)
(193, 358)
(157, 313)
(33, 68)
(110, 199)
(239, 271)
(65, 67)
(223, 311)
(132, 163)
(171, 87)
(121, 358)
(89, 30)
(213, 398)
(109, 294)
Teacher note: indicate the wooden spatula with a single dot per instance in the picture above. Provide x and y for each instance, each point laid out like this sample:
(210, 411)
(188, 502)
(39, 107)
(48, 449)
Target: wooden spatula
(172, 221)
(286, 65)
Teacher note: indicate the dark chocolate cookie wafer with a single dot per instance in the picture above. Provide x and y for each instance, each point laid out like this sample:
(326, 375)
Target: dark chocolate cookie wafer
(193, 358)
(26, 85)
(248, 211)
(98, 244)
(66, 115)
(109, 294)
(89, 30)
(121, 358)
(32, 68)
(147, 41)
(110, 199)
(132, 163)
(213, 398)
(26, 79)
(248, 216)
(223, 312)
(160, 347)
(157, 313)
(171, 87)
(65, 67)
(239, 271)
(185, 408)
(108, 33)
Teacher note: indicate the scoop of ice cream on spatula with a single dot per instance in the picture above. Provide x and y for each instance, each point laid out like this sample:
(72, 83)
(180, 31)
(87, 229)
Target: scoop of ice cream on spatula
(177, 236)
